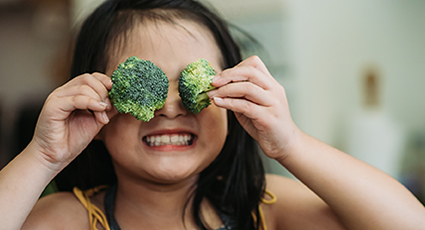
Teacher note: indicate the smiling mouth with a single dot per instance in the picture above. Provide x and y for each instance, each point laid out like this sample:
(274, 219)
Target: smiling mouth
(165, 139)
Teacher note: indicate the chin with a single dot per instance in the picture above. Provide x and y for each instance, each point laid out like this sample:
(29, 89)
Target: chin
(173, 179)
(176, 169)
(174, 175)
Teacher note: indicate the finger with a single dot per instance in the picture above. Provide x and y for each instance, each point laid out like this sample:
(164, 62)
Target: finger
(102, 117)
(238, 74)
(255, 62)
(106, 83)
(104, 79)
(99, 82)
(237, 105)
(244, 73)
(244, 90)
(105, 116)
(82, 102)
(93, 90)
(78, 90)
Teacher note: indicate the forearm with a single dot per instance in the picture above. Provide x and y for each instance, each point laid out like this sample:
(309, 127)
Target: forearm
(362, 196)
(21, 183)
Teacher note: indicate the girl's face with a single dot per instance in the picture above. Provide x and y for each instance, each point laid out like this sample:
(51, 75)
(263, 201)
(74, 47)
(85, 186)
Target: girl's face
(187, 142)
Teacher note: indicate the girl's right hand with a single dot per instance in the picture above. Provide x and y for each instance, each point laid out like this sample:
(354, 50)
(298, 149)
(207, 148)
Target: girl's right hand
(71, 117)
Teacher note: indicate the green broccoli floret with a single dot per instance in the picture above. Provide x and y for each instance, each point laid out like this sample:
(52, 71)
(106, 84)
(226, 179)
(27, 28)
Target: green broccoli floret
(194, 83)
(139, 88)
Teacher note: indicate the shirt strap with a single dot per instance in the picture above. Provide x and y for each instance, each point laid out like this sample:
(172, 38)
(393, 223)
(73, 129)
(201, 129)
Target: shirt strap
(95, 214)
(271, 195)
(260, 209)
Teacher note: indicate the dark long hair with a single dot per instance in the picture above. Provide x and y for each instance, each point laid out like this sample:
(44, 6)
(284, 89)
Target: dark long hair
(234, 182)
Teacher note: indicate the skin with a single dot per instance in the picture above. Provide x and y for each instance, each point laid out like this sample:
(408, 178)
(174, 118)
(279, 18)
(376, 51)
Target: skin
(325, 199)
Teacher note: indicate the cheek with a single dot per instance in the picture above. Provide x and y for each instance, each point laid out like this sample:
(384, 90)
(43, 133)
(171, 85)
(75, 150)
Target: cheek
(118, 132)
(216, 126)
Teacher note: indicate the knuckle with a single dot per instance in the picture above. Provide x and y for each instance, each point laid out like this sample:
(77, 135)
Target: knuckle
(243, 106)
(88, 79)
(76, 98)
(250, 69)
(98, 75)
(225, 73)
(84, 89)
(246, 106)
(249, 87)
(255, 59)
(85, 77)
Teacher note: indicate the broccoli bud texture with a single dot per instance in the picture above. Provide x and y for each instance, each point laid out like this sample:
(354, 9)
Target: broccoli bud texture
(194, 83)
(139, 88)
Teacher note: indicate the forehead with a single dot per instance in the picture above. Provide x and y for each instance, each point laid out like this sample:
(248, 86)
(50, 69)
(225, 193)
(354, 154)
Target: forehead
(170, 45)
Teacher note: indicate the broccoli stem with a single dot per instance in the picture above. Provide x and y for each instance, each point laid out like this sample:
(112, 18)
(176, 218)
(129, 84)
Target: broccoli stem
(203, 95)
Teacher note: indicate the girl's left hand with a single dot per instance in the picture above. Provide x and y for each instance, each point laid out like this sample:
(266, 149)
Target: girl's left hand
(259, 103)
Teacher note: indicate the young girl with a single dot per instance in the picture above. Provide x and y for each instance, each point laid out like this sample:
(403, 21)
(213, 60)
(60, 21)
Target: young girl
(214, 179)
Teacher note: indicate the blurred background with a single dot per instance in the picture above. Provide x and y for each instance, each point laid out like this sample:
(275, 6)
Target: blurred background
(354, 71)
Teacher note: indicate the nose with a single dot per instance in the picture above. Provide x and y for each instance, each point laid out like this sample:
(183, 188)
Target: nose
(173, 106)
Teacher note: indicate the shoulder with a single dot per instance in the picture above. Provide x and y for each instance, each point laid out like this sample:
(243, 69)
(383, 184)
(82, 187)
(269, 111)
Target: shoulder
(296, 207)
(60, 210)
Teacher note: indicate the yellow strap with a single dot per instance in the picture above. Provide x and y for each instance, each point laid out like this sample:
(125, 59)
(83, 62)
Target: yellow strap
(95, 214)
(260, 209)
(272, 201)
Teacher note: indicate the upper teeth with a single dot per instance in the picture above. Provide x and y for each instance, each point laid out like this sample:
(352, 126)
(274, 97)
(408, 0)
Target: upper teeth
(175, 139)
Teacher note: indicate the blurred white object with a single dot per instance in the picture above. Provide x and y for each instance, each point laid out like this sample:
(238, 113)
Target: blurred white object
(376, 139)
(373, 136)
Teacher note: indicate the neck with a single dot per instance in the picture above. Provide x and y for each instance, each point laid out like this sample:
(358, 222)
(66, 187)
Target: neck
(150, 204)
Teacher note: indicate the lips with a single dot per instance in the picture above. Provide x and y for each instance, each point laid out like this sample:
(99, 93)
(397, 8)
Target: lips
(177, 139)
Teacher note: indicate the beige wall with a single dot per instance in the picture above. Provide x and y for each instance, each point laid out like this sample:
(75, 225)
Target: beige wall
(326, 46)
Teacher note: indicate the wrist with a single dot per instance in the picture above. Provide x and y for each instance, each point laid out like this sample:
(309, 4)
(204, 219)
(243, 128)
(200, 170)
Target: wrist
(40, 156)
(292, 146)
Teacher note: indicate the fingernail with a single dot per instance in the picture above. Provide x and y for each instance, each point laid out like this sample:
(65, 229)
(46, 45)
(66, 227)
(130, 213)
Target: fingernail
(103, 104)
(108, 104)
(212, 93)
(105, 117)
(218, 100)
